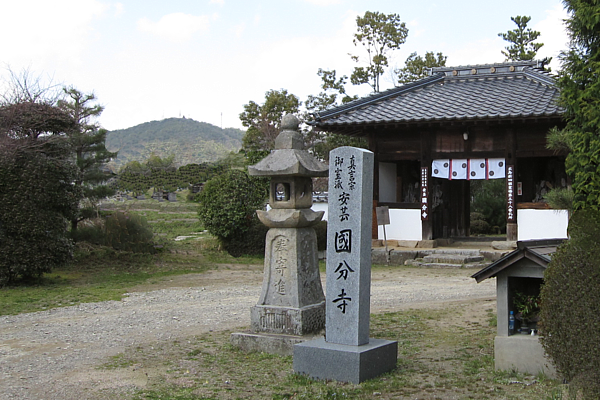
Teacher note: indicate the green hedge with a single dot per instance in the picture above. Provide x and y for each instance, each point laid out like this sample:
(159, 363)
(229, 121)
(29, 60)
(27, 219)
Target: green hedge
(570, 306)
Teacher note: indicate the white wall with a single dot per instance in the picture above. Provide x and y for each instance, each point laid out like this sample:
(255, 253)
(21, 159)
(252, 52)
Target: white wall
(404, 225)
(542, 224)
(387, 182)
(320, 207)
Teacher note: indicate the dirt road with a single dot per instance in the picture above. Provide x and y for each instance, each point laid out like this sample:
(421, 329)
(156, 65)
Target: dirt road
(54, 354)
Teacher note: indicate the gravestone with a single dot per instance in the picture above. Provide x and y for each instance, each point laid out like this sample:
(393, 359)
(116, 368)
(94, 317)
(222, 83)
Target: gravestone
(347, 353)
(291, 307)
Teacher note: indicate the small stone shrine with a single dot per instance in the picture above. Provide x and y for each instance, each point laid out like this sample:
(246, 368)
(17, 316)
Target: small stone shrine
(291, 307)
(347, 353)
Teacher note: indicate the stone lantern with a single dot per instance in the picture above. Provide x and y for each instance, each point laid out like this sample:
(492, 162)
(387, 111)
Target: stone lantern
(292, 300)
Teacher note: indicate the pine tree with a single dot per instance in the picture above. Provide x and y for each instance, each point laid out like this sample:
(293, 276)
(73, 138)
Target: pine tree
(522, 39)
(87, 141)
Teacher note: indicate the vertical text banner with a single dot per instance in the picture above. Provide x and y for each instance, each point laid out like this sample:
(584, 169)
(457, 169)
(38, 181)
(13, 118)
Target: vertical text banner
(349, 246)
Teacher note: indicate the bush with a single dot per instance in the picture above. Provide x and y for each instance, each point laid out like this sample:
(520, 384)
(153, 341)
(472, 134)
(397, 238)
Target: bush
(228, 204)
(570, 305)
(37, 198)
(251, 242)
(121, 231)
(488, 198)
(479, 226)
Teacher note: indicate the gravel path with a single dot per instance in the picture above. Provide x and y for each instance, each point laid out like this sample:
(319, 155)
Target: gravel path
(54, 354)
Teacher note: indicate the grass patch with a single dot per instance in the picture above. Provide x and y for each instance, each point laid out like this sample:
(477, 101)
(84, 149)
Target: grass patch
(97, 274)
(437, 360)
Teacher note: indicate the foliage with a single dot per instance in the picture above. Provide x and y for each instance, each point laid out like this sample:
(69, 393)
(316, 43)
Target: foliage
(32, 120)
(570, 305)
(417, 67)
(580, 97)
(87, 143)
(479, 226)
(191, 141)
(379, 34)
(160, 174)
(229, 202)
(333, 89)
(488, 199)
(560, 199)
(263, 122)
(36, 199)
(528, 306)
(128, 232)
(522, 39)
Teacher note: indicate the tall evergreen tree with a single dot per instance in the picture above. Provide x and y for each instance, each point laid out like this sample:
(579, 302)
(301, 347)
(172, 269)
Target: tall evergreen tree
(580, 96)
(87, 141)
(522, 46)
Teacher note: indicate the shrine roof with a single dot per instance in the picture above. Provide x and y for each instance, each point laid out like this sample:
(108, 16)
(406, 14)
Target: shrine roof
(504, 91)
(538, 251)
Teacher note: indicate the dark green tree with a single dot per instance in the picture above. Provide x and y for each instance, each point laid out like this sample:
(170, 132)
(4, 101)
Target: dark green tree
(379, 34)
(87, 141)
(580, 96)
(570, 306)
(263, 122)
(417, 67)
(522, 46)
(37, 194)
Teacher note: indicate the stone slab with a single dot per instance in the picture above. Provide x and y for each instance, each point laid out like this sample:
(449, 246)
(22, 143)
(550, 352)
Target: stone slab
(320, 359)
(282, 345)
(523, 353)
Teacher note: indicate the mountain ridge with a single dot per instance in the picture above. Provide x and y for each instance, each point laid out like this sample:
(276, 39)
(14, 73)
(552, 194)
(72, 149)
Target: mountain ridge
(189, 140)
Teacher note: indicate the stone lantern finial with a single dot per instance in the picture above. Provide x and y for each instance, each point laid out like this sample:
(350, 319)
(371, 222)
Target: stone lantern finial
(289, 138)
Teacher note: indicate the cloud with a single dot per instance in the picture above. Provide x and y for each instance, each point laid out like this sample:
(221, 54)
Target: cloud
(47, 32)
(176, 27)
(553, 34)
(323, 2)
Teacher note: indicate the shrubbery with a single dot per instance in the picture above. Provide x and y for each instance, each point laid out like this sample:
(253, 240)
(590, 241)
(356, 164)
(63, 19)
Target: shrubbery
(37, 198)
(570, 305)
(228, 204)
(121, 231)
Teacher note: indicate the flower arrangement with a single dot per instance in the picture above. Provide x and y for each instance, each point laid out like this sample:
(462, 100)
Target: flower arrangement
(528, 307)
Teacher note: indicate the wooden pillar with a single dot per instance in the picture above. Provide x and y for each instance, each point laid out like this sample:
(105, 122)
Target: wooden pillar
(426, 212)
(511, 163)
(373, 147)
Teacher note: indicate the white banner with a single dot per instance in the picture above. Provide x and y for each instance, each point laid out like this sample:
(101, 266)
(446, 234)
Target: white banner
(440, 169)
(496, 168)
(478, 168)
(459, 169)
(475, 168)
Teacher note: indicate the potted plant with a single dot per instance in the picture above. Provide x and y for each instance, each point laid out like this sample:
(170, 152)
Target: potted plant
(528, 309)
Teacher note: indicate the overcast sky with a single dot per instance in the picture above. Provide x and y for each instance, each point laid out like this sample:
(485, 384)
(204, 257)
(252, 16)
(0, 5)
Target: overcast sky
(204, 59)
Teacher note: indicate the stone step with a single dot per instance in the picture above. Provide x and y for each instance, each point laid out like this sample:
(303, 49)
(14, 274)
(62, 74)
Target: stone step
(422, 264)
(449, 258)
(466, 252)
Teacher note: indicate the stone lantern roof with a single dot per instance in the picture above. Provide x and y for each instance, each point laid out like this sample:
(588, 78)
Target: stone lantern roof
(289, 157)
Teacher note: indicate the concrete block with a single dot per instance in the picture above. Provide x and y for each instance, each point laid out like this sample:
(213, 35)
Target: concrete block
(399, 257)
(427, 244)
(282, 345)
(523, 353)
(504, 245)
(320, 359)
(411, 244)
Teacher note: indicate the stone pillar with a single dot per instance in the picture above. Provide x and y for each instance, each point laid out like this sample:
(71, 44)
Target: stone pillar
(347, 353)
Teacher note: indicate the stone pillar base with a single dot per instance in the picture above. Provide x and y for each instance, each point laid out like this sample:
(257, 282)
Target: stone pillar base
(282, 345)
(288, 320)
(323, 360)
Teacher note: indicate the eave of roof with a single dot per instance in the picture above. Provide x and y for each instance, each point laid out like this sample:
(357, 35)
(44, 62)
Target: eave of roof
(538, 251)
(491, 92)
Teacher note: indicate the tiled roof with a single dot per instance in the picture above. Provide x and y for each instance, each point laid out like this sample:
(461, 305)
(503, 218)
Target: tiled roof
(494, 91)
(538, 251)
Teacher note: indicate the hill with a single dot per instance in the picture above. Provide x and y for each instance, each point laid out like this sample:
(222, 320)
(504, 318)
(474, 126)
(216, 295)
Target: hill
(191, 141)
